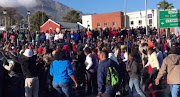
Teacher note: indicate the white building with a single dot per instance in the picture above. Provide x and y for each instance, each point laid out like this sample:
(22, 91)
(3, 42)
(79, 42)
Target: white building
(137, 19)
(87, 21)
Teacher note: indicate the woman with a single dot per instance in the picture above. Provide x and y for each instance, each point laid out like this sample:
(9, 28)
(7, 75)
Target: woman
(133, 67)
(62, 73)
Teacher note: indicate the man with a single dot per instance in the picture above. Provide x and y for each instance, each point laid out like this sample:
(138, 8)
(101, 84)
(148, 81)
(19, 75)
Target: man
(171, 67)
(28, 65)
(105, 90)
(91, 69)
(159, 55)
(77, 36)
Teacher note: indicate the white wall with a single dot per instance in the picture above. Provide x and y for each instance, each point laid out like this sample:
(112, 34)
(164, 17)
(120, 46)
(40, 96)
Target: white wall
(140, 15)
(87, 20)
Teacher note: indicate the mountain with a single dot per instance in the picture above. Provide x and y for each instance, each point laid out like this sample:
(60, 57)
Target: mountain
(55, 10)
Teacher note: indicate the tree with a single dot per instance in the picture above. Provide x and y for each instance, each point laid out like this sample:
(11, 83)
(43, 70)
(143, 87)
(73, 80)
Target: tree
(72, 16)
(37, 19)
(165, 5)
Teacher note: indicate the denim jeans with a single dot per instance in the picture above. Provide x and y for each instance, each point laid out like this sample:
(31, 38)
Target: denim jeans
(175, 89)
(136, 83)
(64, 89)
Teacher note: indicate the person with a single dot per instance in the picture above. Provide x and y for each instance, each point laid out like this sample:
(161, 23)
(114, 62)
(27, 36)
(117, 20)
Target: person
(171, 67)
(42, 38)
(63, 74)
(16, 81)
(47, 36)
(58, 48)
(61, 36)
(37, 37)
(159, 55)
(91, 69)
(133, 68)
(124, 54)
(2, 73)
(28, 66)
(105, 90)
(153, 66)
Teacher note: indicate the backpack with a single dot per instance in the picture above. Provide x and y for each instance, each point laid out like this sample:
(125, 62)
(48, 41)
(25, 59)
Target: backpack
(112, 78)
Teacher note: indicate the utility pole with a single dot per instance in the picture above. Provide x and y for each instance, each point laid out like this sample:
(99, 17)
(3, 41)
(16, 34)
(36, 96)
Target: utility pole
(146, 18)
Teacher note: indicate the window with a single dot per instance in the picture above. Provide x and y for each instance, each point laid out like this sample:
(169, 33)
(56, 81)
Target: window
(105, 24)
(150, 21)
(98, 25)
(132, 22)
(140, 22)
(114, 24)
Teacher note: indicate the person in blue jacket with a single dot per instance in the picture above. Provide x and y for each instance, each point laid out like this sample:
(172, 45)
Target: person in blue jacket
(77, 36)
(63, 75)
(105, 90)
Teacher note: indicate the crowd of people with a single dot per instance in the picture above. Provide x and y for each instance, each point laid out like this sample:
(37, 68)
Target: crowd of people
(102, 62)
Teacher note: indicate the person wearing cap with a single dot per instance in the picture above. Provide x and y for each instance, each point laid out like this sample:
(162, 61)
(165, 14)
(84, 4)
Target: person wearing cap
(28, 66)
(171, 67)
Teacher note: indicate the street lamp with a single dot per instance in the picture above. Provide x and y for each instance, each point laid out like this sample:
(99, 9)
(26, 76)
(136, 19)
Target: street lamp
(28, 13)
(5, 12)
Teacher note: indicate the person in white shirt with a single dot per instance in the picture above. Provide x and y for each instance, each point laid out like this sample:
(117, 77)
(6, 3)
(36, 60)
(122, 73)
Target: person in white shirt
(47, 36)
(56, 37)
(152, 59)
(61, 36)
(153, 66)
(124, 55)
(91, 69)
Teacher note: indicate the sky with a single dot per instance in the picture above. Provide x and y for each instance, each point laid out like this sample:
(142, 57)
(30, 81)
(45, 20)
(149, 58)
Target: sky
(105, 6)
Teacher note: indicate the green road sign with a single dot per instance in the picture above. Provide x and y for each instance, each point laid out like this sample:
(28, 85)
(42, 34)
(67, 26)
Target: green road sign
(170, 18)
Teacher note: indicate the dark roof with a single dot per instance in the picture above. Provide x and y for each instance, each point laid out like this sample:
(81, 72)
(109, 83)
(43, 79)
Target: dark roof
(68, 25)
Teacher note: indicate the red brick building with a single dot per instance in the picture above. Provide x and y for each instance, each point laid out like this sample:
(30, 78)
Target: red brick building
(113, 20)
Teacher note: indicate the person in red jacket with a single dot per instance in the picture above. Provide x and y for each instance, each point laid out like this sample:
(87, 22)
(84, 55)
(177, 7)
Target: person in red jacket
(89, 34)
(115, 33)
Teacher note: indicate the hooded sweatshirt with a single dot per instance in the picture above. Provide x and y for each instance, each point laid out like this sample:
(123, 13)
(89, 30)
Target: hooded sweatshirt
(171, 66)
